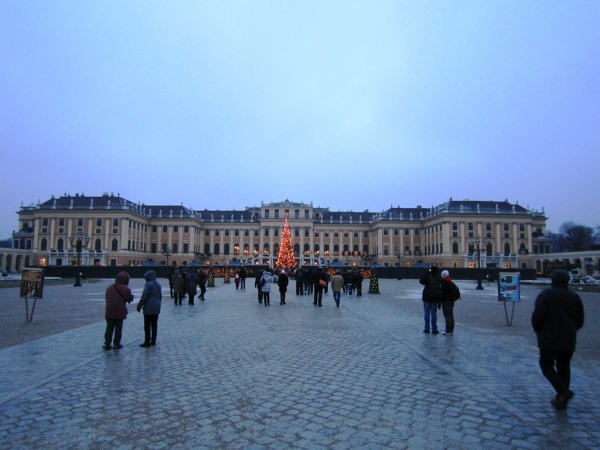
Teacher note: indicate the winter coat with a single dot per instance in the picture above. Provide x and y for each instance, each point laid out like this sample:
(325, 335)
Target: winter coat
(337, 283)
(319, 275)
(446, 289)
(151, 296)
(428, 280)
(283, 282)
(192, 283)
(117, 296)
(557, 316)
(267, 278)
(177, 282)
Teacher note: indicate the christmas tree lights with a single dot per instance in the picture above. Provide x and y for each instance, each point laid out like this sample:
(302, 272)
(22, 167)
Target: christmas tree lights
(374, 283)
(286, 258)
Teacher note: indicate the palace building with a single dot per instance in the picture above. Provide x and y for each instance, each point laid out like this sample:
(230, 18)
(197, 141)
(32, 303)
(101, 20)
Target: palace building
(114, 231)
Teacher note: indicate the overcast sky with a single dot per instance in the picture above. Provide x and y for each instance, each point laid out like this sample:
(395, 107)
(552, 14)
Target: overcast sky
(350, 105)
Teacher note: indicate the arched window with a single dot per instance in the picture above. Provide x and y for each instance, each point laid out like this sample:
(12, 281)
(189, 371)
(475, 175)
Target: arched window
(226, 249)
(44, 244)
(217, 248)
(60, 245)
(114, 245)
(336, 250)
(297, 249)
(275, 249)
(306, 249)
(346, 250)
(455, 248)
(236, 249)
(506, 249)
(326, 250)
(255, 251)
(266, 249)
(207, 249)
(365, 249)
(489, 249)
(98, 245)
(355, 250)
(246, 249)
(316, 250)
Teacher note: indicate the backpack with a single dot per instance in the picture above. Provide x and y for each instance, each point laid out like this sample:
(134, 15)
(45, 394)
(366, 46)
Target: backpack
(454, 292)
(434, 289)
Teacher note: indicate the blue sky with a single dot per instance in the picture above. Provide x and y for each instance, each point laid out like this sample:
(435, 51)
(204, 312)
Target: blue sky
(350, 105)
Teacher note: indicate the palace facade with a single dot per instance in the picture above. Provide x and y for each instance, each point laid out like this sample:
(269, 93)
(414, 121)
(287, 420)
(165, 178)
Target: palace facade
(116, 231)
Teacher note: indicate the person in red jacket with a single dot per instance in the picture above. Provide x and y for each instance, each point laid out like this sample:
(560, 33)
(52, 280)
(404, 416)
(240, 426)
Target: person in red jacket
(117, 296)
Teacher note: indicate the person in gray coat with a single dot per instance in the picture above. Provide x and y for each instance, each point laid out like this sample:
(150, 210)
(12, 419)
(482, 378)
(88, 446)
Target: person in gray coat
(150, 303)
(557, 316)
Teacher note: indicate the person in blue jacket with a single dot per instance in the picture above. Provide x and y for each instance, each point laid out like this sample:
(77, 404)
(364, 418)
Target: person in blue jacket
(150, 303)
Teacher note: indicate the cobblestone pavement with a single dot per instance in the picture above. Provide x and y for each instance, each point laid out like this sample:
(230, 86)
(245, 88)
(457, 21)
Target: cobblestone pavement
(229, 373)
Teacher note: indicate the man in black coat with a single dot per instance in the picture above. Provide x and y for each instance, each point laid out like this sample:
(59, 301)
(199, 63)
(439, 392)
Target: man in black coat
(557, 316)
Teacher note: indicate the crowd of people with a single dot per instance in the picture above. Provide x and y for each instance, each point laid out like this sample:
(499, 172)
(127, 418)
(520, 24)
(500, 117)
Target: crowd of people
(557, 317)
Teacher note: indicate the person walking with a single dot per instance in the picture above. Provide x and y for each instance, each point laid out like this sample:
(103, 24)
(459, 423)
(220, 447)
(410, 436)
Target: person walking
(337, 284)
(449, 293)
(350, 282)
(191, 286)
(319, 282)
(258, 285)
(117, 296)
(299, 278)
(557, 316)
(265, 282)
(202, 283)
(237, 279)
(150, 302)
(243, 275)
(282, 282)
(358, 279)
(177, 286)
(171, 291)
(431, 298)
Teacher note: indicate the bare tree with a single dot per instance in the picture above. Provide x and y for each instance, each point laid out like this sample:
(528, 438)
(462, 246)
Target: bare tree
(575, 237)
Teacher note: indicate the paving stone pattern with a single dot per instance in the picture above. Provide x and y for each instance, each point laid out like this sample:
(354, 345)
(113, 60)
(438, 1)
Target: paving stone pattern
(229, 373)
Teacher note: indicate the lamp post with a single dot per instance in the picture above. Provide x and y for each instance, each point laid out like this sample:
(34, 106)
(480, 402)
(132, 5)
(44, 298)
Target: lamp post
(477, 242)
(79, 241)
(167, 252)
(399, 255)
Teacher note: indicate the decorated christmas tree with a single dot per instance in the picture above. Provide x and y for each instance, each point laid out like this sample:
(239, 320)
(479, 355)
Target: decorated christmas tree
(374, 282)
(226, 275)
(211, 278)
(286, 259)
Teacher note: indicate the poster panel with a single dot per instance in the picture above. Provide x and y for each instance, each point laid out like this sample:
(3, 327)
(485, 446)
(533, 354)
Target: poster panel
(509, 287)
(32, 282)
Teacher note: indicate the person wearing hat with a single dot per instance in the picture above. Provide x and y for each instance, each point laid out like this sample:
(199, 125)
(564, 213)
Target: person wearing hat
(117, 296)
(448, 295)
(557, 316)
(150, 303)
(177, 285)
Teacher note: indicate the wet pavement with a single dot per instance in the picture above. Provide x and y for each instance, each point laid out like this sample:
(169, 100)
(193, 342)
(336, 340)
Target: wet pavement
(229, 373)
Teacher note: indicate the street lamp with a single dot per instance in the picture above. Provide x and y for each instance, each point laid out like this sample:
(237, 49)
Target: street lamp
(167, 252)
(79, 241)
(477, 242)
(399, 255)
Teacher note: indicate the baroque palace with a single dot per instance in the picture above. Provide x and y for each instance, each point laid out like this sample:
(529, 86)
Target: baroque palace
(114, 231)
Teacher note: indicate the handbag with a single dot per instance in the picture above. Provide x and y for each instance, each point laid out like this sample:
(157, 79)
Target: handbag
(322, 283)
